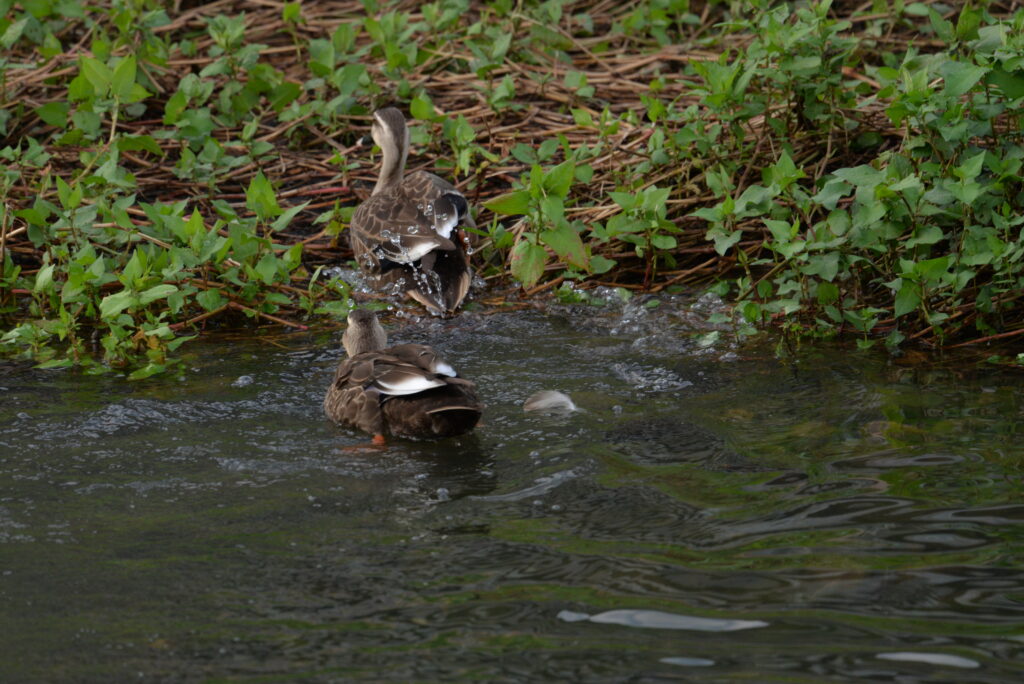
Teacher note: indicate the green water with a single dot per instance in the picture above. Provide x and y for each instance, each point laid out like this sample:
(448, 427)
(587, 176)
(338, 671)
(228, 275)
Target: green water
(842, 518)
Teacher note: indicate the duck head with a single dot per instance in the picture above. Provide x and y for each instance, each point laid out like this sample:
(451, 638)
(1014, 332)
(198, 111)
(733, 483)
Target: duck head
(364, 333)
(391, 135)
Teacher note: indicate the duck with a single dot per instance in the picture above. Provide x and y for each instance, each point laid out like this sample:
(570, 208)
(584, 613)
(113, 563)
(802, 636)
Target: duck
(409, 236)
(407, 390)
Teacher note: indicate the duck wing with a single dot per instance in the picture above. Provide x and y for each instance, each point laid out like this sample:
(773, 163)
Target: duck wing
(392, 227)
(423, 357)
(431, 187)
(349, 403)
(391, 375)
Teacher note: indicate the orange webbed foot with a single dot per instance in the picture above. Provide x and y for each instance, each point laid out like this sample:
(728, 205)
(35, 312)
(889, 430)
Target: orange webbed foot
(378, 443)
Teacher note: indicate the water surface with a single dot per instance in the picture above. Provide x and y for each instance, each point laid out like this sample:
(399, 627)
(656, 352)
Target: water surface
(713, 514)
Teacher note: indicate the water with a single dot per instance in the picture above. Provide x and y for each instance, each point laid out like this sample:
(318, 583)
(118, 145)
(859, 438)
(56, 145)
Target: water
(710, 514)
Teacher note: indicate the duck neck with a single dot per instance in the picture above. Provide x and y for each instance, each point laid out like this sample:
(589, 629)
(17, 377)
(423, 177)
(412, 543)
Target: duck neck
(392, 164)
(361, 340)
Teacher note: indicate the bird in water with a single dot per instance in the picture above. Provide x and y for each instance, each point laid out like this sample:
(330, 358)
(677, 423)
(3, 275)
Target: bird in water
(409, 234)
(406, 391)
(549, 401)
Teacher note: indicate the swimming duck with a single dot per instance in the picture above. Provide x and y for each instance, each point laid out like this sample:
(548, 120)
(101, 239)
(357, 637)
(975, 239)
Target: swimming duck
(408, 232)
(407, 390)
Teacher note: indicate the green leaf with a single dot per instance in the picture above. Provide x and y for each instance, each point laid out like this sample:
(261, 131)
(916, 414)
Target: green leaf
(827, 293)
(267, 268)
(967, 24)
(422, 108)
(567, 244)
(174, 108)
(724, 241)
(1012, 84)
(663, 241)
(907, 299)
(932, 270)
(284, 219)
(784, 172)
(971, 167)
(211, 299)
(97, 73)
(292, 12)
(123, 80)
(833, 191)
(928, 235)
(13, 33)
(56, 363)
(582, 118)
(260, 198)
(825, 266)
(510, 204)
(322, 58)
(558, 180)
(960, 77)
(54, 114)
(553, 210)
(862, 175)
(599, 264)
(146, 371)
(626, 200)
(113, 304)
(782, 231)
(283, 95)
(528, 262)
(943, 28)
(136, 143)
(156, 292)
(70, 198)
(44, 279)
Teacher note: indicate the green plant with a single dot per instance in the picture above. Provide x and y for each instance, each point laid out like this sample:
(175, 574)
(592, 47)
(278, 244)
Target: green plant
(542, 201)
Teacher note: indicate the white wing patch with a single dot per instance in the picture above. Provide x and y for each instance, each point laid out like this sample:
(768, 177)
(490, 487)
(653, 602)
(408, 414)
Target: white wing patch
(407, 384)
(417, 251)
(442, 368)
(444, 223)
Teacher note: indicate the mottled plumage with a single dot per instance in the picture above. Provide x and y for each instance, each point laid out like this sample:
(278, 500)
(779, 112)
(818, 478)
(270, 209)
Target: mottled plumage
(407, 390)
(408, 233)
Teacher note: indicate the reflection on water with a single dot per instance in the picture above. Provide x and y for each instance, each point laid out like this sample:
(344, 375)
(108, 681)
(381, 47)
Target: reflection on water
(708, 512)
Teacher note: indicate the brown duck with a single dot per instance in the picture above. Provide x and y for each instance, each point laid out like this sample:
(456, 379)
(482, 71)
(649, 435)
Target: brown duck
(408, 235)
(407, 390)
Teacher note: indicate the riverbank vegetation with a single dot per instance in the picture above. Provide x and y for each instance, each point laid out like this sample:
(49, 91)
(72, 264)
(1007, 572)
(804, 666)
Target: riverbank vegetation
(831, 168)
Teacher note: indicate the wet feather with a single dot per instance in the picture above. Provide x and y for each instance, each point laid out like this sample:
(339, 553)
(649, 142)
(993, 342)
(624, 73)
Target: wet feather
(405, 234)
(549, 401)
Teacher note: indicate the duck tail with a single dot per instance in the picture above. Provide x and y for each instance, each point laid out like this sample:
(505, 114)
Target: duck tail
(473, 409)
